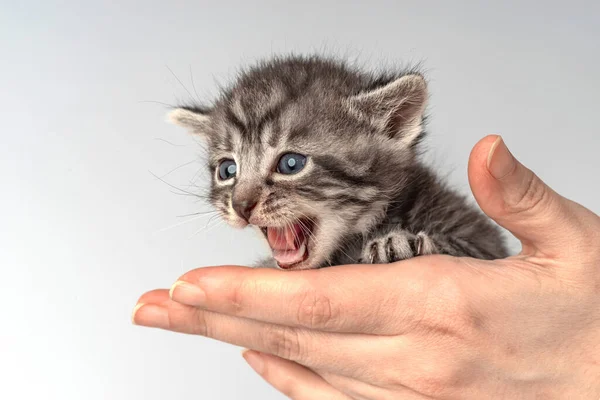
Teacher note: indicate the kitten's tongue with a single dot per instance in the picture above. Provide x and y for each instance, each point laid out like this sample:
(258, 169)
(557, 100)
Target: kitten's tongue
(288, 244)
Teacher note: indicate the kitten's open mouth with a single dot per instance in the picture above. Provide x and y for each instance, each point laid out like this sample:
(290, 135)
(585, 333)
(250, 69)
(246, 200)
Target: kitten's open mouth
(290, 243)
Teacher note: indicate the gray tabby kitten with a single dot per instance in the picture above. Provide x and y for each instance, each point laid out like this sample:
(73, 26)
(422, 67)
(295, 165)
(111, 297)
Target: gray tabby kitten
(323, 160)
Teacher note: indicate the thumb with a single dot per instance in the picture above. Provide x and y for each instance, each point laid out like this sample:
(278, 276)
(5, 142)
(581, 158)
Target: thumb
(514, 197)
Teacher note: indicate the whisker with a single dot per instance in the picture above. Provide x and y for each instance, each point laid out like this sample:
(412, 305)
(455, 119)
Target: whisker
(197, 174)
(305, 228)
(181, 83)
(179, 224)
(173, 186)
(198, 197)
(176, 168)
(312, 236)
(207, 228)
(172, 144)
(197, 213)
(193, 85)
(156, 102)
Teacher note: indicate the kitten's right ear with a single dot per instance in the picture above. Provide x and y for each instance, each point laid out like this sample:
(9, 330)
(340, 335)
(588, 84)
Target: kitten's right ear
(395, 108)
(194, 119)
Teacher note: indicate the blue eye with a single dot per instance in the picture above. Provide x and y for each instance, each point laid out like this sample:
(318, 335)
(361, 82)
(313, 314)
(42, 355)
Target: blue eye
(291, 163)
(227, 169)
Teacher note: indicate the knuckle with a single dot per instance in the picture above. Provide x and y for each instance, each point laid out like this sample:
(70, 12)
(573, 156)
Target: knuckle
(238, 296)
(438, 380)
(315, 310)
(447, 309)
(201, 327)
(283, 342)
(531, 197)
(440, 369)
(443, 369)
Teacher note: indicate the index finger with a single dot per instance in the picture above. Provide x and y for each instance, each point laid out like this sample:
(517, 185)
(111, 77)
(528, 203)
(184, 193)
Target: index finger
(376, 299)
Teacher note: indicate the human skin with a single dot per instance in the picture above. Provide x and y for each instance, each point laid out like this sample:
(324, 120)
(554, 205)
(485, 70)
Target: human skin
(432, 327)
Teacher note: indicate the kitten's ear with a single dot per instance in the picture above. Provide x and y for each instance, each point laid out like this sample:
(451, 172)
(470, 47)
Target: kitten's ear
(195, 119)
(396, 108)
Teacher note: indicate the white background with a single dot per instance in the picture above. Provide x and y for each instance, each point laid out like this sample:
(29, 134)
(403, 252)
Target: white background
(82, 214)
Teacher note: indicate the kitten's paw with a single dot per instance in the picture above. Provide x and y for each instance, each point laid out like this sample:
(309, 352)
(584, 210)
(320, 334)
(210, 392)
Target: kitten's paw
(395, 246)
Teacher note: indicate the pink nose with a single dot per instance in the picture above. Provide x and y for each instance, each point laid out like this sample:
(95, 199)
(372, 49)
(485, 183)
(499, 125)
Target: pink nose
(244, 208)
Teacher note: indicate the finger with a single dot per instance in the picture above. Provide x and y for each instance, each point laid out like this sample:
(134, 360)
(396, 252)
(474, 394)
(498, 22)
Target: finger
(310, 348)
(291, 379)
(388, 304)
(361, 389)
(153, 297)
(156, 296)
(518, 200)
(354, 356)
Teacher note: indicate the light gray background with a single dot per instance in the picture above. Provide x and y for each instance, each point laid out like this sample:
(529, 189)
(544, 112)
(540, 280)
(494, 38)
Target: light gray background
(81, 213)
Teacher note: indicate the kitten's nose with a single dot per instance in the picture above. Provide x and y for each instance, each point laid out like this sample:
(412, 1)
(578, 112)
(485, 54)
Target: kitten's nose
(244, 208)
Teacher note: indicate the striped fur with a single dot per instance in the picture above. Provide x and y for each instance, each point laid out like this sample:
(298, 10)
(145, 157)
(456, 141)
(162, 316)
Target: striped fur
(364, 184)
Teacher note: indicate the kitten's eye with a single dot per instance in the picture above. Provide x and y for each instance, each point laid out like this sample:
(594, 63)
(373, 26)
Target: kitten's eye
(227, 169)
(291, 163)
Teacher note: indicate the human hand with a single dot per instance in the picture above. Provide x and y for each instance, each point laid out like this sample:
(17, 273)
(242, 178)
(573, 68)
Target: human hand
(432, 327)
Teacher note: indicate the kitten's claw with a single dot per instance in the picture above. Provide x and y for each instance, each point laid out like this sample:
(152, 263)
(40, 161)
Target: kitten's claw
(425, 245)
(396, 246)
(373, 252)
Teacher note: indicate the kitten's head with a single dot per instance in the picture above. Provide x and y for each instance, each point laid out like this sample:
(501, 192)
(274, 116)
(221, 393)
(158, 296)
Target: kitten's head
(309, 151)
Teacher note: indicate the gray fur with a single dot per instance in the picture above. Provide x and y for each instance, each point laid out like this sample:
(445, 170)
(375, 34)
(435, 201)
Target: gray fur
(372, 198)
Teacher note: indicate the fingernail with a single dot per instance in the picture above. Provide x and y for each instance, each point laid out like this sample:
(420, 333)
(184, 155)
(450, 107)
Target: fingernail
(150, 315)
(186, 293)
(135, 310)
(254, 360)
(500, 161)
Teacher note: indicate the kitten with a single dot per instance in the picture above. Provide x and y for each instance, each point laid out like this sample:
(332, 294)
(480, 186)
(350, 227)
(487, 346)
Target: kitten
(323, 160)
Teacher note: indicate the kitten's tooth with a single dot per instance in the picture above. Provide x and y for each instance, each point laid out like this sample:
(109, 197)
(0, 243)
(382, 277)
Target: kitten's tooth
(277, 238)
(291, 235)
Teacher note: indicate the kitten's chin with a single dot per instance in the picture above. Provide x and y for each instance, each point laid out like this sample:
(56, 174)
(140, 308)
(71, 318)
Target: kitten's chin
(292, 244)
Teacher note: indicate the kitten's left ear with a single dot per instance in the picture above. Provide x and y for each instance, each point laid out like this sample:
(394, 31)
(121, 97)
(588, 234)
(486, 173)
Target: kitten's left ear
(396, 108)
(195, 119)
